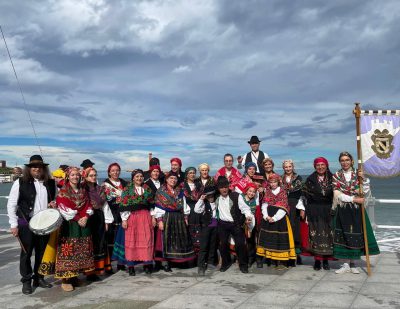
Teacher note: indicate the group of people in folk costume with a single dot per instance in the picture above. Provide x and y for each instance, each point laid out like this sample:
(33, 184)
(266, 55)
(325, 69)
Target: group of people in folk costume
(158, 219)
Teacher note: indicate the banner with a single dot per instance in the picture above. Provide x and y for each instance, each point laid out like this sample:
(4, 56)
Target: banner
(380, 144)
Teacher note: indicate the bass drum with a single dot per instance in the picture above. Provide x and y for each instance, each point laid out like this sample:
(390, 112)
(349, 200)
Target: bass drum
(45, 221)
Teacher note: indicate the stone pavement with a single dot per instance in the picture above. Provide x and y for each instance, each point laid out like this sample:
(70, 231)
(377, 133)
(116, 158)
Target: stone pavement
(299, 287)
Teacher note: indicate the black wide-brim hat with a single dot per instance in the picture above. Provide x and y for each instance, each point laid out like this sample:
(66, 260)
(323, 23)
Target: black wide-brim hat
(36, 160)
(254, 140)
(87, 163)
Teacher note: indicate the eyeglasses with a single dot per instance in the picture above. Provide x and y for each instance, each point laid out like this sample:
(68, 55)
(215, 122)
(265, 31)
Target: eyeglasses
(92, 175)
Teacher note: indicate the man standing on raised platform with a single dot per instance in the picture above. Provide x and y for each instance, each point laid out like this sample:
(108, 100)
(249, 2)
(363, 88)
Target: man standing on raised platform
(255, 155)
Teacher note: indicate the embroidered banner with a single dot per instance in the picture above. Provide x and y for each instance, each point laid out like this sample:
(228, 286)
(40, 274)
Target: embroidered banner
(380, 144)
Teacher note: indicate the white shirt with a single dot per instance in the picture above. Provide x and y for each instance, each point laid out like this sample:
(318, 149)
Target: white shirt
(39, 205)
(201, 206)
(279, 214)
(156, 183)
(225, 210)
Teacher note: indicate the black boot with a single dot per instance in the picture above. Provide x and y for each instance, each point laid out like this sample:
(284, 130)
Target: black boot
(251, 261)
(325, 265)
(158, 266)
(27, 287)
(132, 271)
(299, 261)
(42, 283)
(244, 269)
(121, 267)
(201, 271)
(148, 269)
(167, 268)
(93, 278)
(317, 265)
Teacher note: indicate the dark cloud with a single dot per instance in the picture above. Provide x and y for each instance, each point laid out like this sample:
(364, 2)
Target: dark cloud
(323, 117)
(249, 124)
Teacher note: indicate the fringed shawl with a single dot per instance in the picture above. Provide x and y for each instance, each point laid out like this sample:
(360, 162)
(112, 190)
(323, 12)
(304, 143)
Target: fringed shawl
(169, 201)
(131, 200)
(280, 200)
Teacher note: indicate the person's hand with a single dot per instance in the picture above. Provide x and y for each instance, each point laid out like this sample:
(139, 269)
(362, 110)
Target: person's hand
(248, 220)
(260, 189)
(82, 221)
(202, 197)
(271, 220)
(106, 226)
(124, 224)
(52, 204)
(302, 214)
(160, 225)
(240, 159)
(359, 200)
(153, 221)
(186, 220)
(14, 231)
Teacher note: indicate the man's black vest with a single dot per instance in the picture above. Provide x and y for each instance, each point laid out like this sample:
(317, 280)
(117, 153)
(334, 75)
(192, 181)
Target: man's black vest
(261, 157)
(27, 195)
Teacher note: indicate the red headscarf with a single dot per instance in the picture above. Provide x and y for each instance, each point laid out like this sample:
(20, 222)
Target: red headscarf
(177, 160)
(250, 185)
(321, 160)
(155, 167)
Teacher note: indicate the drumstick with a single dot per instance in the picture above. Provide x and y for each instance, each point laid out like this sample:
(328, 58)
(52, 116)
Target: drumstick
(20, 243)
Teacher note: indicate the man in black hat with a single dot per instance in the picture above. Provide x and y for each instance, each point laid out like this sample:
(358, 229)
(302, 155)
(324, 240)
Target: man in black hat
(33, 192)
(208, 233)
(255, 155)
(231, 219)
(86, 163)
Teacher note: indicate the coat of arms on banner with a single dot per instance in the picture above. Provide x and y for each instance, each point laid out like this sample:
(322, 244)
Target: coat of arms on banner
(382, 143)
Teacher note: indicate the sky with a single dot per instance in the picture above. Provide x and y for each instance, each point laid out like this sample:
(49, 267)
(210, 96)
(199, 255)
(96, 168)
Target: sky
(114, 80)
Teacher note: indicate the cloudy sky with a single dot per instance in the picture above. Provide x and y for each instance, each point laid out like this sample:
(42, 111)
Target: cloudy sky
(114, 80)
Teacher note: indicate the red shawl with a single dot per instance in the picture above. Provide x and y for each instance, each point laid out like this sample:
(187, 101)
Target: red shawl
(280, 200)
(233, 178)
(68, 198)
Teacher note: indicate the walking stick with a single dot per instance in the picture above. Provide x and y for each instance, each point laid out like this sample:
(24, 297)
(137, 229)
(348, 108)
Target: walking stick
(357, 113)
(21, 244)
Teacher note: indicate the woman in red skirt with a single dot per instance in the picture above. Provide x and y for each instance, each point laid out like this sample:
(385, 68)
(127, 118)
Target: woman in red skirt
(136, 202)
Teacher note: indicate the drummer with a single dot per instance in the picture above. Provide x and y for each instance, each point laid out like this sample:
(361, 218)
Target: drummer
(31, 193)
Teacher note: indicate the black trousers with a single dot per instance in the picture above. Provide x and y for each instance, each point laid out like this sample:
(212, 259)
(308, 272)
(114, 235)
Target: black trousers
(208, 243)
(251, 245)
(226, 229)
(31, 242)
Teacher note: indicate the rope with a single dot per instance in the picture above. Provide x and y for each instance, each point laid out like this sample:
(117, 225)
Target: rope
(20, 90)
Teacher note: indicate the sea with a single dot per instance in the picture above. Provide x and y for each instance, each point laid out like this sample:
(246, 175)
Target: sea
(380, 213)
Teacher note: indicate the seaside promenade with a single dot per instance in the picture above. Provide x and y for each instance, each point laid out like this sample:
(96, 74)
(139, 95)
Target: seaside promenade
(299, 287)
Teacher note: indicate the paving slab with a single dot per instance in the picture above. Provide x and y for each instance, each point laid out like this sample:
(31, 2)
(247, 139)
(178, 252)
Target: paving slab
(268, 297)
(301, 286)
(376, 301)
(337, 287)
(199, 301)
(373, 288)
(327, 299)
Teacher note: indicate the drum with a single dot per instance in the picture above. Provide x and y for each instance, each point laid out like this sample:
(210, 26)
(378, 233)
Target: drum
(45, 221)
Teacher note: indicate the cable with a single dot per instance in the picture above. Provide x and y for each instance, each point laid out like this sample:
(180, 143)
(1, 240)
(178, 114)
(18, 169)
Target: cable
(22, 94)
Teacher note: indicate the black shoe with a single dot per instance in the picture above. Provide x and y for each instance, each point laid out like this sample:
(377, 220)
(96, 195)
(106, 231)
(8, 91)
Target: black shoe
(167, 268)
(325, 265)
(251, 262)
(109, 271)
(244, 270)
(148, 269)
(132, 271)
(260, 264)
(42, 283)
(121, 267)
(225, 268)
(27, 287)
(201, 271)
(299, 260)
(317, 265)
(93, 278)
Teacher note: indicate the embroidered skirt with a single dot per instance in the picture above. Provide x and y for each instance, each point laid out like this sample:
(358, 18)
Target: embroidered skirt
(139, 238)
(275, 240)
(176, 243)
(194, 225)
(74, 250)
(348, 233)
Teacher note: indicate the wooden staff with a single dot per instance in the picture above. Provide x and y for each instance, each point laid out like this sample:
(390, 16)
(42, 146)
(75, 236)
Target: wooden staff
(21, 244)
(357, 113)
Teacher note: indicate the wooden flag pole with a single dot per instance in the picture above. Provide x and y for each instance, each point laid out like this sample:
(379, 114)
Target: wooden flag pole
(357, 113)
